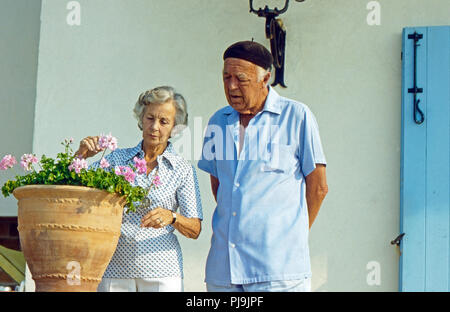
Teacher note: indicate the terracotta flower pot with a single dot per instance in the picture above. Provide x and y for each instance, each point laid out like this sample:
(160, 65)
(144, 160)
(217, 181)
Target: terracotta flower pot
(68, 234)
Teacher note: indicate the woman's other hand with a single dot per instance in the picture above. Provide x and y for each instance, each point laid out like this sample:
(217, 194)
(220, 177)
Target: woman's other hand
(160, 217)
(157, 218)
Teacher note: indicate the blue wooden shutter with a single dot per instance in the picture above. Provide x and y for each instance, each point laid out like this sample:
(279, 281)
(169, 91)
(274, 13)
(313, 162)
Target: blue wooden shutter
(425, 159)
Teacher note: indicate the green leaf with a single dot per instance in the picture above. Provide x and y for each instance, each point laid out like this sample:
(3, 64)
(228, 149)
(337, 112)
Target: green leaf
(56, 172)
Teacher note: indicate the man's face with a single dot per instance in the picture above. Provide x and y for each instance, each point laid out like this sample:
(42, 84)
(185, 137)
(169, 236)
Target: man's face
(243, 90)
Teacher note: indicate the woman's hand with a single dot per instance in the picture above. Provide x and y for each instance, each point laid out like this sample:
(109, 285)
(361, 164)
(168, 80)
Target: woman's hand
(89, 147)
(157, 218)
(160, 217)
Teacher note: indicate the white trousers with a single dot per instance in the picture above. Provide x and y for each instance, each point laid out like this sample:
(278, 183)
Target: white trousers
(166, 284)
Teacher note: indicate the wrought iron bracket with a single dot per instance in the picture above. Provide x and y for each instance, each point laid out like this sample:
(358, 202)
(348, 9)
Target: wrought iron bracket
(276, 33)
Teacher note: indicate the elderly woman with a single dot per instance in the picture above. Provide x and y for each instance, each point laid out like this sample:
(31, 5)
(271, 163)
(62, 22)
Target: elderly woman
(148, 256)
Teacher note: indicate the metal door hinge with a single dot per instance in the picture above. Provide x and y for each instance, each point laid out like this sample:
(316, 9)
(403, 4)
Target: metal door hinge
(397, 240)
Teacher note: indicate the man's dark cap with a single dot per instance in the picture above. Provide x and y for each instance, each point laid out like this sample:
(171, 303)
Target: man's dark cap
(250, 51)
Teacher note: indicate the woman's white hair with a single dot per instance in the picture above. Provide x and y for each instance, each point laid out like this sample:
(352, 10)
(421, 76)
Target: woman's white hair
(161, 95)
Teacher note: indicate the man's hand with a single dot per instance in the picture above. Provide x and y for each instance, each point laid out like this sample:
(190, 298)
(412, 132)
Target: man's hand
(214, 186)
(316, 190)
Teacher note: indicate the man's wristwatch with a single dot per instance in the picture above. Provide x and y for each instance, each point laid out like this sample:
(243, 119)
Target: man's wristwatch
(174, 216)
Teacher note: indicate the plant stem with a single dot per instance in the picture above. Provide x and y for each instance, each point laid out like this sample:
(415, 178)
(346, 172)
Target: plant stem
(103, 153)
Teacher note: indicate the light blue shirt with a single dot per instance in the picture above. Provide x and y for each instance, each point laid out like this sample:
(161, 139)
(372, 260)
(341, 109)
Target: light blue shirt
(260, 224)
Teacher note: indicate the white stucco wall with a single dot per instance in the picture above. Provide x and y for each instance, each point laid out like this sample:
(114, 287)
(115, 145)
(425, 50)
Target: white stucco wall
(347, 72)
(19, 41)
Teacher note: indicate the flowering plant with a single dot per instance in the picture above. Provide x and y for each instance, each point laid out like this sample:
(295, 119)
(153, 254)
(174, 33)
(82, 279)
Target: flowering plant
(68, 169)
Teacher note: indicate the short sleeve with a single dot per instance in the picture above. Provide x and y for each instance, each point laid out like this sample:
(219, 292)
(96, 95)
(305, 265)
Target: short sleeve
(311, 151)
(188, 196)
(208, 161)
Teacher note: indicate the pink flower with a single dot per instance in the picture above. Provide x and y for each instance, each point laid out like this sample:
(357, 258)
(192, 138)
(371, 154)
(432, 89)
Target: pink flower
(157, 181)
(107, 141)
(104, 163)
(118, 170)
(27, 161)
(126, 172)
(141, 165)
(7, 162)
(78, 164)
(113, 144)
(129, 175)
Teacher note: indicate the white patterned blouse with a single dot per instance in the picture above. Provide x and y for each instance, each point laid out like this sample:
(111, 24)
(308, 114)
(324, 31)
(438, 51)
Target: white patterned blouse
(149, 252)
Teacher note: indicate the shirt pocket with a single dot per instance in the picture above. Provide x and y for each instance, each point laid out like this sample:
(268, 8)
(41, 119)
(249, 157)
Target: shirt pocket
(282, 159)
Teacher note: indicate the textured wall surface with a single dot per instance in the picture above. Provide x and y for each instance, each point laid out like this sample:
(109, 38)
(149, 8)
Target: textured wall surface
(347, 71)
(19, 42)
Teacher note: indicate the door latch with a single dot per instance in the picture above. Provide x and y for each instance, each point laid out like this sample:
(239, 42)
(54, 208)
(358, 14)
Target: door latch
(415, 90)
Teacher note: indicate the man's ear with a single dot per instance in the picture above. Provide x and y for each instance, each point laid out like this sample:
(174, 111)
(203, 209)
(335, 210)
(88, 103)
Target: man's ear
(267, 78)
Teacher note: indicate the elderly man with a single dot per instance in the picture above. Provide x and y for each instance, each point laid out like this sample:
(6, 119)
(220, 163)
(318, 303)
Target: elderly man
(267, 167)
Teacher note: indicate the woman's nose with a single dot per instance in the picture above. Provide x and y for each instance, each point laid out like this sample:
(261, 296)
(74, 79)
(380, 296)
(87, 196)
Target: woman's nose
(154, 126)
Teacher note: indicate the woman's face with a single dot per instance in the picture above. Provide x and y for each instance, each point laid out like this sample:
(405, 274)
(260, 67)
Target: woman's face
(158, 122)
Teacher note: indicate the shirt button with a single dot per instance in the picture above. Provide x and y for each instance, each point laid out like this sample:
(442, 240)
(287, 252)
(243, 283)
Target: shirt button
(232, 245)
(236, 184)
(234, 214)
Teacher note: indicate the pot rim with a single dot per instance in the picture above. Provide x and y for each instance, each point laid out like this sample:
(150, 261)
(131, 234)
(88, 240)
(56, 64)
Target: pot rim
(60, 186)
(76, 188)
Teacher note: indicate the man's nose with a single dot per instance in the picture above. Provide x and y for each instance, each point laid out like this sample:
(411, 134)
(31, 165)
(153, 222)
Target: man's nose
(232, 83)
